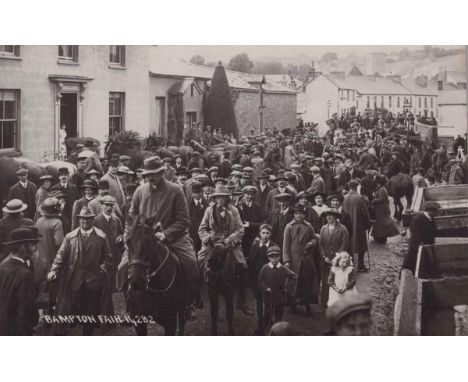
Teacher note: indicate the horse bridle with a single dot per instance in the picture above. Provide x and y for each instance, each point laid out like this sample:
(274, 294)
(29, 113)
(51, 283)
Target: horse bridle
(153, 274)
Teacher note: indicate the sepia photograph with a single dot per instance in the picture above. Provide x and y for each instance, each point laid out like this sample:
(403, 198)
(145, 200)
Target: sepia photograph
(241, 190)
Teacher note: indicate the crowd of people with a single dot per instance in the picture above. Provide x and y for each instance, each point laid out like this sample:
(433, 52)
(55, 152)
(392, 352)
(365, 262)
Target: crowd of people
(296, 210)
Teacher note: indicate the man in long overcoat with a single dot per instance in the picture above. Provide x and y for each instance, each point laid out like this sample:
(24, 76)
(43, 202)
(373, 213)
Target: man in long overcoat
(83, 266)
(18, 312)
(197, 207)
(108, 223)
(299, 239)
(423, 231)
(50, 228)
(165, 203)
(356, 206)
(25, 191)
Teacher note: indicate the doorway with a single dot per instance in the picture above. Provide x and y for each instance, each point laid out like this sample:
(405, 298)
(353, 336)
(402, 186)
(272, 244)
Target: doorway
(69, 114)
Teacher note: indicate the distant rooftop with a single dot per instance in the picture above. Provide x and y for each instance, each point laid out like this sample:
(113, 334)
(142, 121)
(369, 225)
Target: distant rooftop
(368, 84)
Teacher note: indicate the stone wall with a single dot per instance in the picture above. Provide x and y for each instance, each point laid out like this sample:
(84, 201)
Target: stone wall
(280, 110)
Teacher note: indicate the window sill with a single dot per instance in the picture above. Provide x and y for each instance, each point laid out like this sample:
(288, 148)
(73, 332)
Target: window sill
(14, 58)
(67, 62)
(10, 152)
(117, 66)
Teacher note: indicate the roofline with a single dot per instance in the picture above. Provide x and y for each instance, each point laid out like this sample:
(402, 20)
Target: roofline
(152, 74)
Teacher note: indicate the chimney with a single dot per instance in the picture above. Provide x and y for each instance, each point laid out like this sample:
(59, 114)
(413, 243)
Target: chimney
(338, 74)
(396, 78)
(422, 80)
(442, 74)
(312, 71)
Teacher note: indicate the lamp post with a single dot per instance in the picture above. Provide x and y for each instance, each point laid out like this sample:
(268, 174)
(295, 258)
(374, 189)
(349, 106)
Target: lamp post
(329, 105)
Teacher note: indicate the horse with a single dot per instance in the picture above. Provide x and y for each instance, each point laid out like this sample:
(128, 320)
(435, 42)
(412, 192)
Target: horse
(136, 154)
(156, 286)
(399, 186)
(220, 276)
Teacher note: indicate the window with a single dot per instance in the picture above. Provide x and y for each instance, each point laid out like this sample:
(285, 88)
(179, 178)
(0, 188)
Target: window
(432, 103)
(68, 53)
(389, 101)
(347, 95)
(116, 112)
(191, 90)
(353, 95)
(375, 102)
(425, 101)
(117, 55)
(9, 50)
(398, 101)
(381, 102)
(191, 118)
(368, 102)
(8, 118)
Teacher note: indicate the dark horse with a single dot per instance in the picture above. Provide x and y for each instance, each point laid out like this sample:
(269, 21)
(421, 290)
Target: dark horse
(399, 186)
(220, 276)
(155, 281)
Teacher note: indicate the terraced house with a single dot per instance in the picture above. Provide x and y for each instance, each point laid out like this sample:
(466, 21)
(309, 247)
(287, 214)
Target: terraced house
(100, 90)
(89, 90)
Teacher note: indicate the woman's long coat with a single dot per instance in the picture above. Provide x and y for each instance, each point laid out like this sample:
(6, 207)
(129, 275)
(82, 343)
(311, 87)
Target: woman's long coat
(356, 206)
(384, 225)
(297, 235)
(330, 243)
(209, 229)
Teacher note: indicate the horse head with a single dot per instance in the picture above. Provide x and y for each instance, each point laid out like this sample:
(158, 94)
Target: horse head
(142, 250)
(218, 258)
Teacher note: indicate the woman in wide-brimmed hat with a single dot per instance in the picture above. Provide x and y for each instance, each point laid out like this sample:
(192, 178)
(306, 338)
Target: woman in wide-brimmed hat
(315, 216)
(334, 238)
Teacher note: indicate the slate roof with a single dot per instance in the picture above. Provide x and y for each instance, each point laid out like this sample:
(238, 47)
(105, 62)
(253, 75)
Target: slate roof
(417, 89)
(171, 67)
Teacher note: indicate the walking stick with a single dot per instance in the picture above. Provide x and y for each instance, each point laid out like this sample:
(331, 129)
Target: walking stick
(368, 254)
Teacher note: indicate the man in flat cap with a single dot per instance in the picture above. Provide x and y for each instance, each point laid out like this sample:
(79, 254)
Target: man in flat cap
(423, 232)
(350, 316)
(82, 268)
(68, 189)
(25, 191)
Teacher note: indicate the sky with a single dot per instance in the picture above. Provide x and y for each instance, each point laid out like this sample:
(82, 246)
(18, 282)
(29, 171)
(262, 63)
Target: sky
(264, 52)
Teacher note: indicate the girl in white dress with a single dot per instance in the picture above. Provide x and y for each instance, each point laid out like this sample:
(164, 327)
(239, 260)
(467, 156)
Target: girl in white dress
(342, 279)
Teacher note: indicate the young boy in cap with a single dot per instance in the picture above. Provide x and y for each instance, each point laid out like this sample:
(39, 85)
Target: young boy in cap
(18, 311)
(273, 281)
(257, 259)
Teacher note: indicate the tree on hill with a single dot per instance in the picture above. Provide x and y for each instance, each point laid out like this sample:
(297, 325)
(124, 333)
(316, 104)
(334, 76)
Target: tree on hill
(218, 108)
(328, 57)
(270, 67)
(198, 60)
(241, 63)
(355, 71)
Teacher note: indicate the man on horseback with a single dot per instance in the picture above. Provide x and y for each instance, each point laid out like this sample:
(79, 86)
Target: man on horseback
(222, 224)
(164, 202)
